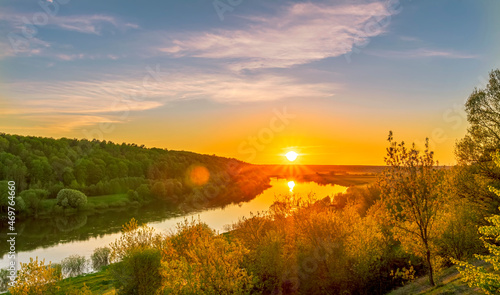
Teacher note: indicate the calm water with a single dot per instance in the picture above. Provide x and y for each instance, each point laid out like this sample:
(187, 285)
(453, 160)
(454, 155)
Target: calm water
(54, 239)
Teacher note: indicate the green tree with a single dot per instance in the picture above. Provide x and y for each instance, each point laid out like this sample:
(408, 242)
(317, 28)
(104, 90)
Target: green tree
(71, 198)
(411, 190)
(483, 134)
(479, 276)
(475, 150)
(33, 199)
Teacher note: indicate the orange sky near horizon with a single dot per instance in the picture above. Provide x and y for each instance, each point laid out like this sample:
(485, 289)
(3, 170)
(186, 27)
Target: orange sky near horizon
(264, 133)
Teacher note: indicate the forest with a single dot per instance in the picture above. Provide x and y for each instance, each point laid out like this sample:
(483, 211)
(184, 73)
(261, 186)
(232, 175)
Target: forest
(94, 170)
(416, 220)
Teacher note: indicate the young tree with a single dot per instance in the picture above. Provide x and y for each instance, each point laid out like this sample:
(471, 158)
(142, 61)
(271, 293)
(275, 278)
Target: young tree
(411, 190)
(74, 265)
(100, 258)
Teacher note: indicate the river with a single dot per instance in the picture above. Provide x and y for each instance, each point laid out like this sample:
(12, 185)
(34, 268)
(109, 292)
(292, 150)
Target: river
(54, 239)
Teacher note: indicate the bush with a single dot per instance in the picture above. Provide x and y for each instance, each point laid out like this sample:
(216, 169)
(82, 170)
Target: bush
(33, 199)
(74, 265)
(4, 280)
(134, 196)
(35, 278)
(70, 198)
(138, 272)
(200, 261)
(100, 258)
(135, 237)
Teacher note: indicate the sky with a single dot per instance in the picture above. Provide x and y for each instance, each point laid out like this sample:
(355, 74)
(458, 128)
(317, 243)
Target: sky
(247, 79)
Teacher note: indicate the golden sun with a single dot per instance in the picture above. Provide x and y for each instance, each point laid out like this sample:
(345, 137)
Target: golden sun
(291, 156)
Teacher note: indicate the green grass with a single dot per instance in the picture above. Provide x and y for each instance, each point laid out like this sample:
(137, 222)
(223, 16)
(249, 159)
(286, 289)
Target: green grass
(94, 202)
(99, 283)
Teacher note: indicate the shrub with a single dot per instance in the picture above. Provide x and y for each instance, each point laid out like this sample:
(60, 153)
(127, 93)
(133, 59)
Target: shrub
(74, 265)
(4, 280)
(33, 199)
(35, 278)
(134, 237)
(200, 261)
(100, 258)
(138, 272)
(70, 198)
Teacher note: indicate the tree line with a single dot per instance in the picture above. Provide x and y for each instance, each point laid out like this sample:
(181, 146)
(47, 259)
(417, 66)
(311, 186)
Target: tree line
(42, 167)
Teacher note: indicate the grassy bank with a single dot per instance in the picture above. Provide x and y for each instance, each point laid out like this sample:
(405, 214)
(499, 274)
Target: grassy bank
(93, 203)
(449, 281)
(99, 283)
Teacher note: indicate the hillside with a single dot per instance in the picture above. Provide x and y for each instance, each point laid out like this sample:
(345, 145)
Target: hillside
(41, 167)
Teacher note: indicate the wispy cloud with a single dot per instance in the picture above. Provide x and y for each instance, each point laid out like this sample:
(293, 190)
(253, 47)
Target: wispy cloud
(90, 24)
(87, 24)
(421, 53)
(303, 33)
(112, 98)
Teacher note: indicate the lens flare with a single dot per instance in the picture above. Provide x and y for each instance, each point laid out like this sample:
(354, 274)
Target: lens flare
(199, 175)
(291, 185)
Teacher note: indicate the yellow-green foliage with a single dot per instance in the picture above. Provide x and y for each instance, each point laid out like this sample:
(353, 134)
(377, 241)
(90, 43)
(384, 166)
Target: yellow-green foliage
(194, 260)
(412, 189)
(85, 290)
(303, 246)
(36, 278)
(478, 276)
(199, 261)
(135, 237)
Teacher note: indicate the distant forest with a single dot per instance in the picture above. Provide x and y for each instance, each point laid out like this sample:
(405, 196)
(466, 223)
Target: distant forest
(42, 167)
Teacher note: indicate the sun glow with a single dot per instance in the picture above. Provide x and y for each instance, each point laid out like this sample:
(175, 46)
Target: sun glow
(291, 185)
(291, 156)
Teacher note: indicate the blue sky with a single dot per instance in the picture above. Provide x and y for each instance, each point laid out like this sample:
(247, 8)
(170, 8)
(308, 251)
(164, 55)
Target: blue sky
(182, 75)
